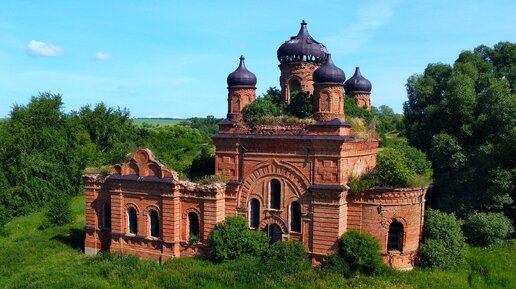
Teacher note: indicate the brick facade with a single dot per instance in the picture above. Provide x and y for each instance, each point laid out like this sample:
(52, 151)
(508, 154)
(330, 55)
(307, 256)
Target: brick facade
(289, 181)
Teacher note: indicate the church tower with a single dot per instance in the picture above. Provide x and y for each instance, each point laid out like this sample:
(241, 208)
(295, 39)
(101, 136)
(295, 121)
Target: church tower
(298, 58)
(359, 88)
(328, 98)
(241, 90)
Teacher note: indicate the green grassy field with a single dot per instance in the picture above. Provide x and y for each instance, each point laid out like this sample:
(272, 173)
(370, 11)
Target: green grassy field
(52, 258)
(156, 121)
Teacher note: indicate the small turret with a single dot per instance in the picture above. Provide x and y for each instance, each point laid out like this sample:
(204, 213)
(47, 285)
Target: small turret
(241, 90)
(328, 99)
(359, 88)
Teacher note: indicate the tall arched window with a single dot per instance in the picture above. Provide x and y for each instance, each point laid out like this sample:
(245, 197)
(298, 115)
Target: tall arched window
(254, 213)
(193, 225)
(295, 217)
(154, 223)
(275, 194)
(106, 216)
(132, 220)
(395, 236)
(294, 85)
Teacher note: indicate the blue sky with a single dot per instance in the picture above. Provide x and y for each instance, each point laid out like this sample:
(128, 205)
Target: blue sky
(165, 59)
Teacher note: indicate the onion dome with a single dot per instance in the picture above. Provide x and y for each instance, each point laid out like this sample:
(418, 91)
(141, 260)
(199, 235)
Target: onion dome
(329, 72)
(302, 47)
(241, 76)
(357, 84)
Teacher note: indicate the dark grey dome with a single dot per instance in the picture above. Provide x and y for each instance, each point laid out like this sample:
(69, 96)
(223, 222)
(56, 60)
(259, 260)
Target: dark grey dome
(357, 84)
(302, 47)
(241, 76)
(329, 73)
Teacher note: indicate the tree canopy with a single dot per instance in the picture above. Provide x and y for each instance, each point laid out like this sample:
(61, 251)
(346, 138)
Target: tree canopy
(464, 117)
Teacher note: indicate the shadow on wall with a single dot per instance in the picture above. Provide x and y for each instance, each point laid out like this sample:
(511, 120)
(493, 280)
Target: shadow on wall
(74, 239)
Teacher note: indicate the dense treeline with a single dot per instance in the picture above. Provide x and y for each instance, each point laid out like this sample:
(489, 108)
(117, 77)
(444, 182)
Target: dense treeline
(464, 118)
(44, 151)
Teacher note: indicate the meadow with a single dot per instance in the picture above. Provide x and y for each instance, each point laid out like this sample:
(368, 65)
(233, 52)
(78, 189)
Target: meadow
(156, 121)
(52, 258)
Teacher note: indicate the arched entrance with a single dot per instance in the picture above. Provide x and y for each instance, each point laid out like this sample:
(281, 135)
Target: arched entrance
(274, 232)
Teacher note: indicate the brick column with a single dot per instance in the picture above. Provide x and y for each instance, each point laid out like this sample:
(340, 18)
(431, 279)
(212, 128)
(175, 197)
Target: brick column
(117, 220)
(213, 213)
(171, 216)
(91, 242)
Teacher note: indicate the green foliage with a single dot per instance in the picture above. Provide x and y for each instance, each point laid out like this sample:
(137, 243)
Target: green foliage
(42, 155)
(207, 126)
(300, 105)
(111, 131)
(362, 183)
(203, 164)
(259, 108)
(361, 253)
(232, 239)
(351, 109)
(464, 117)
(392, 169)
(285, 258)
(59, 212)
(52, 258)
(386, 120)
(443, 242)
(485, 229)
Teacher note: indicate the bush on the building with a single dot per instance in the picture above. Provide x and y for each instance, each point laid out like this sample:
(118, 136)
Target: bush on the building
(300, 105)
(286, 257)
(259, 108)
(232, 239)
(443, 242)
(484, 229)
(59, 212)
(392, 169)
(358, 253)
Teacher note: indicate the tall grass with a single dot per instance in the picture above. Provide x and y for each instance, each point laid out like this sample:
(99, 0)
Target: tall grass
(53, 258)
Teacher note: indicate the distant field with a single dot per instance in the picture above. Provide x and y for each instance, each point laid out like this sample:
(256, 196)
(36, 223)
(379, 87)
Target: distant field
(157, 121)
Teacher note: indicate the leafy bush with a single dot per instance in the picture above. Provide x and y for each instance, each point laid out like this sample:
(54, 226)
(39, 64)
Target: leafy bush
(59, 213)
(351, 109)
(300, 105)
(203, 164)
(360, 184)
(259, 108)
(443, 242)
(484, 229)
(360, 251)
(392, 169)
(285, 257)
(232, 239)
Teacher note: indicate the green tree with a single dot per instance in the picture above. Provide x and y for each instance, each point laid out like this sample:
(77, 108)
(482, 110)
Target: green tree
(360, 252)
(484, 229)
(464, 118)
(42, 155)
(59, 212)
(300, 105)
(259, 108)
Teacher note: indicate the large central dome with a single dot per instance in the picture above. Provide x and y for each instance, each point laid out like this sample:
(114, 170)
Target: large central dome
(302, 47)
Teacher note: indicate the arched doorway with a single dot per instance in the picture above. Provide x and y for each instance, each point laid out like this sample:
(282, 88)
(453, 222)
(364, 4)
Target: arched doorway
(274, 232)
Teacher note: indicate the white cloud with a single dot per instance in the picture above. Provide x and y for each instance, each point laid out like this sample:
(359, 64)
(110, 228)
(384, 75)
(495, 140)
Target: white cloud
(371, 15)
(38, 48)
(101, 55)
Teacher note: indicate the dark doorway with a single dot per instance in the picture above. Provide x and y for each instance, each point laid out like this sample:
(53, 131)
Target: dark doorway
(295, 217)
(275, 194)
(274, 232)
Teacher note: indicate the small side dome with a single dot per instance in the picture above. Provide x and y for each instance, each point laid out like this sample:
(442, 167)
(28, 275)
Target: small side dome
(329, 73)
(241, 76)
(302, 47)
(357, 84)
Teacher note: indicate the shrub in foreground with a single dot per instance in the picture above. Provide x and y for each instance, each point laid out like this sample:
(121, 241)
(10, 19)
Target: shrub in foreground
(484, 229)
(443, 242)
(232, 239)
(286, 257)
(358, 252)
(59, 212)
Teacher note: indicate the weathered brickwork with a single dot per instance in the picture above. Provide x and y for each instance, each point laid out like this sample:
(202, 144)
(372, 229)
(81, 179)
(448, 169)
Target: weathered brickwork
(289, 181)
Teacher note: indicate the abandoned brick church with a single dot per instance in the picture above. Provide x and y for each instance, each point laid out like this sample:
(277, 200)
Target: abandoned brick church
(288, 181)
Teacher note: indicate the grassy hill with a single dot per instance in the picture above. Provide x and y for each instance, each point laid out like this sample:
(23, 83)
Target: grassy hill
(52, 258)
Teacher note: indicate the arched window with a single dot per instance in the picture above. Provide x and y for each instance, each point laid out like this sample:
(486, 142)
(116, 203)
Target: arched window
(295, 217)
(193, 225)
(275, 194)
(106, 216)
(254, 213)
(154, 223)
(132, 220)
(294, 85)
(395, 236)
(274, 233)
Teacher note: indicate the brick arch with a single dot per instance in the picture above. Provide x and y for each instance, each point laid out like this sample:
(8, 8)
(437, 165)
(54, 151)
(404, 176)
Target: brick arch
(192, 210)
(403, 222)
(134, 206)
(152, 207)
(282, 171)
(274, 220)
